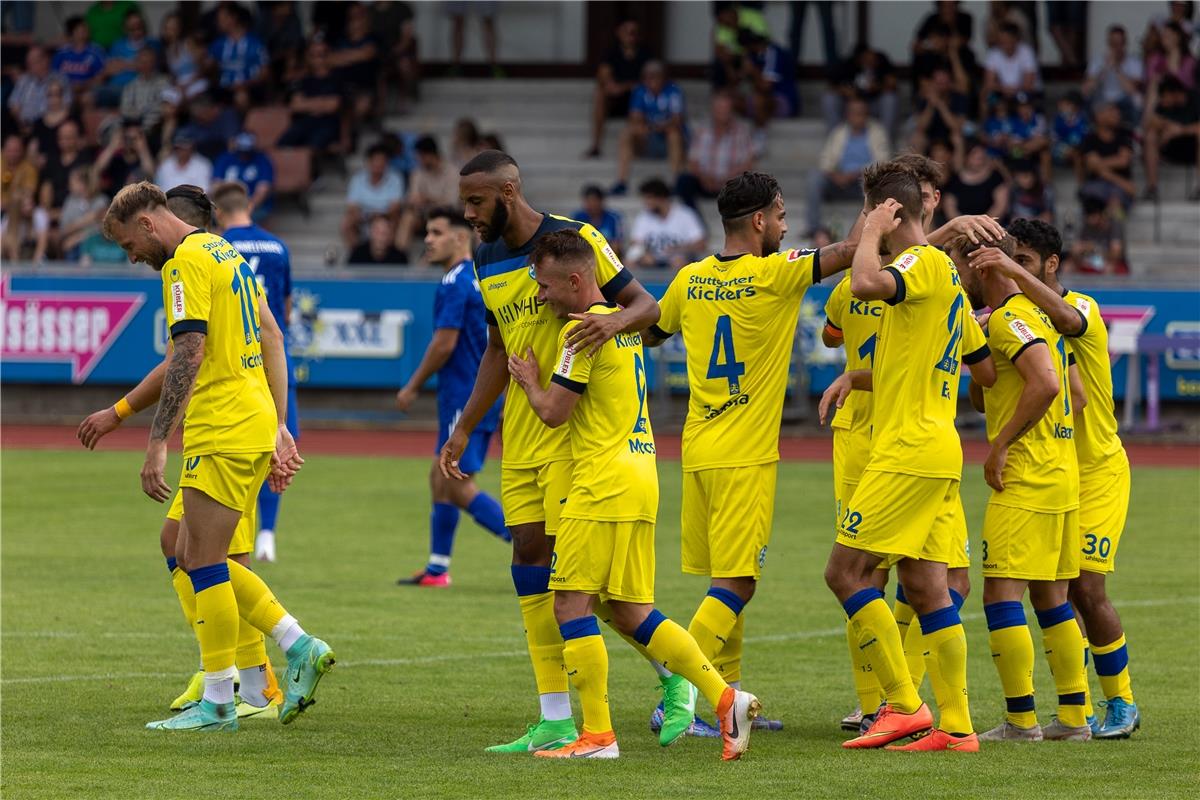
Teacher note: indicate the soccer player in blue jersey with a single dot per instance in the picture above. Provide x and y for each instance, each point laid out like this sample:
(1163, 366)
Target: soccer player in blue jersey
(268, 256)
(459, 339)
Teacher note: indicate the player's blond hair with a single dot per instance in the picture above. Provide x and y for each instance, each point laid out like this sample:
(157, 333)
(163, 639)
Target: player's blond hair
(130, 201)
(961, 246)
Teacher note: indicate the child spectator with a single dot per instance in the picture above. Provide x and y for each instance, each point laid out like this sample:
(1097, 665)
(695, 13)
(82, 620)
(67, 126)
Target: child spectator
(1070, 129)
(1029, 136)
(81, 214)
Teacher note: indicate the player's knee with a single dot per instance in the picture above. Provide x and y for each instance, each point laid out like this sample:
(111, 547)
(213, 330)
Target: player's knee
(960, 581)
(1087, 593)
(169, 537)
(531, 546)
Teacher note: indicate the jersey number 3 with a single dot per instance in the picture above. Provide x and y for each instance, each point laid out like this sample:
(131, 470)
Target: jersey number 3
(245, 288)
(731, 369)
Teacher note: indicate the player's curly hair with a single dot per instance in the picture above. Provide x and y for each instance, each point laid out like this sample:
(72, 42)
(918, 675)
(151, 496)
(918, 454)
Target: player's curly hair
(1040, 237)
(563, 247)
(130, 201)
(742, 196)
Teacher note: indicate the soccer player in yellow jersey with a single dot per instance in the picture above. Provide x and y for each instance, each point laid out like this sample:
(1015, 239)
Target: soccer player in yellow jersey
(905, 509)
(1031, 526)
(233, 382)
(535, 469)
(737, 312)
(604, 549)
(1103, 465)
(258, 695)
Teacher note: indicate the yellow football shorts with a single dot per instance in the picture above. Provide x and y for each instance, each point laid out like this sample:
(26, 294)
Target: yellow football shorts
(1030, 545)
(614, 560)
(897, 516)
(1103, 505)
(232, 479)
(535, 494)
(726, 520)
(960, 546)
(243, 534)
(851, 451)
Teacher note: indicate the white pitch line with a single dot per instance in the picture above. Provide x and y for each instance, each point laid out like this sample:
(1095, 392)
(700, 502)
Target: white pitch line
(448, 657)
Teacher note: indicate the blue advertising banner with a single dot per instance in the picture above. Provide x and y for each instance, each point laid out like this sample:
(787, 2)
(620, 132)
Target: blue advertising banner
(371, 333)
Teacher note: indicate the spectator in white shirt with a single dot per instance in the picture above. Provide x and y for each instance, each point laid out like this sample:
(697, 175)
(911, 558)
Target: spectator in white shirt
(374, 189)
(184, 165)
(665, 233)
(721, 149)
(1010, 66)
(1116, 77)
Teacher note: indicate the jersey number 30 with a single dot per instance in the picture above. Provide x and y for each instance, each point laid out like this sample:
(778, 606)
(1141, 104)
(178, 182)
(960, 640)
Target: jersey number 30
(730, 369)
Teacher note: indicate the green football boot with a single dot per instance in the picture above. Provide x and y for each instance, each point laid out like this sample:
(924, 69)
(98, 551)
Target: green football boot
(308, 661)
(679, 707)
(205, 716)
(545, 735)
(192, 694)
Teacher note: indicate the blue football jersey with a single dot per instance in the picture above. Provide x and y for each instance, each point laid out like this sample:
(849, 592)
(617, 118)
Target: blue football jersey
(458, 304)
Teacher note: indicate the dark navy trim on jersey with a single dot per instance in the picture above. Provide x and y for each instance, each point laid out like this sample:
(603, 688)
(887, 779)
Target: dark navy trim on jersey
(615, 284)
(502, 266)
(829, 323)
(1004, 302)
(189, 326)
(977, 356)
(567, 383)
(901, 288)
(1070, 359)
(491, 318)
(660, 333)
(1025, 347)
(816, 276)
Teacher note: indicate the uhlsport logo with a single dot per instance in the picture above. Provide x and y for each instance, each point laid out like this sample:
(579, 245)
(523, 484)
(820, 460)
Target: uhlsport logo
(190, 465)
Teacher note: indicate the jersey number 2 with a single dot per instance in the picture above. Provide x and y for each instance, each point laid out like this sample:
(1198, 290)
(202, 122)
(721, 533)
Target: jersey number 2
(731, 369)
(245, 287)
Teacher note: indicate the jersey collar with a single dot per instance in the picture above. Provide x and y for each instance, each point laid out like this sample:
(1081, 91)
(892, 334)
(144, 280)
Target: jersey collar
(1005, 301)
(186, 235)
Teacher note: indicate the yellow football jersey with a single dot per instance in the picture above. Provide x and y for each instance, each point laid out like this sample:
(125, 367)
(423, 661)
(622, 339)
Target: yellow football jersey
(208, 288)
(1096, 439)
(509, 291)
(917, 359)
(614, 477)
(858, 320)
(1041, 473)
(738, 315)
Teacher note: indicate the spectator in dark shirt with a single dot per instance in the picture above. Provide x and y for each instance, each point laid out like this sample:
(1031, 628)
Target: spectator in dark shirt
(867, 74)
(315, 104)
(978, 188)
(239, 57)
(1029, 197)
(1100, 248)
(45, 130)
(394, 24)
(379, 248)
(603, 219)
(356, 63)
(79, 60)
(616, 78)
(942, 48)
(949, 14)
(941, 113)
(249, 166)
(772, 74)
(282, 35)
(1172, 131)
(210, 126)
(1108, 160)
(55, 174)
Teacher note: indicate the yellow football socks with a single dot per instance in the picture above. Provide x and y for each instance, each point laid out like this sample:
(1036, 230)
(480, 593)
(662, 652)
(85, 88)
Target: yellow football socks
(866, 686)
(1087, 687)
(251, 646)
(729, 661)
(674, 648)
(187, 597)
(1064, 650)
(1012, 653)
(714, 620)
(913, 650)
(586, 661)
(541, 629)
(878, 637)
(216, 617)
(1112, 667)
(255, 601)
(945, 654)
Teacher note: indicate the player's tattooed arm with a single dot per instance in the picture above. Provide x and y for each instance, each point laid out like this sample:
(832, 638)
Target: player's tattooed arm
(177, 383)
(839, 255)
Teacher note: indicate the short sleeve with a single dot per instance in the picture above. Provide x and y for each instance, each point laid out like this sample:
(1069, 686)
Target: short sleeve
(451, 305)
(796, 270)
(1013, 334)
(912, 279)
(611, 274)
(670, 309)
(836, 304)
(974, 344)
(187, 295)
(573, 368)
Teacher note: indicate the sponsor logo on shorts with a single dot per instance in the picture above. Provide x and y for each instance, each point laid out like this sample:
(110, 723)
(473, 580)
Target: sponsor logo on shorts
(1022, 331)
(191, 467)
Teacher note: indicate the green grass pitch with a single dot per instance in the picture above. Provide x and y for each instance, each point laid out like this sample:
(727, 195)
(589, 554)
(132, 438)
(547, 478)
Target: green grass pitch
(94, 646)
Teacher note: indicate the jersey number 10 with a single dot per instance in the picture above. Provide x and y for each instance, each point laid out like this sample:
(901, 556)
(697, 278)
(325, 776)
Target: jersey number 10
(245, 287)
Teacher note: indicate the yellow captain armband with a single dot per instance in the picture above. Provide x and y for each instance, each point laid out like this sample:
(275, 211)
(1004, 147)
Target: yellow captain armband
(123, 409)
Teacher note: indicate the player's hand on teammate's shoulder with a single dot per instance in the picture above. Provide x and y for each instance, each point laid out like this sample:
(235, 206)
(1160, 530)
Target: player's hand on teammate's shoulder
(452, 450)
(96, 426)
(153, 483)
(834, 397)
(994, 260)
(525, 370)
(592, 331)
(993, 468)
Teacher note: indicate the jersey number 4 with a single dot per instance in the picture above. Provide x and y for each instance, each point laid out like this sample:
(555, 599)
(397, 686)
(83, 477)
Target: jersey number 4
(954, 324)
(245, 288)
(731, 369)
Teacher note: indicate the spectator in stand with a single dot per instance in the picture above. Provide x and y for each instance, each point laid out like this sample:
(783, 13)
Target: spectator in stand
(656, 126)
(141, 99)
(1172, 131)
(374, 189)
(941, 112)
(1067, 20)
(824, 10)
(378, 249)
(315, 104)
(356, 62)
(486, 10)
(1100, 248)
(848, 150)
(395, 24)
(249, 166)
(603, 219)
(1010, 67)
(772, 75)
(721, 149)
(978, 188)
(869, 75)
(1028, 135)
(121, 68)
(1173, 59)
(282, 35)
(1029, 196)
(127, 158)
(1070, 129)
(25, 228)
(238, 57)
(995, 129)
(28, 99)
(728, 67)
(665, 233)
(942, 48)
(106, 20)
(1108, 161)
(1116, 76)
(17, 199)
(210, 126)
(44, 136)
(491, 141)
(82, 211)
(434, 183)
(80, 61)
(947, 13)
(184, 55)
(20, 175)
(466, 143)
(55, 174)
(184, 165)
(1001, 14)
(616, 78)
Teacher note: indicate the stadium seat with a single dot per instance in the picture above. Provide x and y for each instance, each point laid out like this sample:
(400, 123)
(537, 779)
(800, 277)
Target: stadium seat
(268, 124)
(293, 173)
